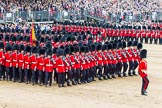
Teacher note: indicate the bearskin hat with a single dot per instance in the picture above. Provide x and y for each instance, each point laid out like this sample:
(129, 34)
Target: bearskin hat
(83, 37)
(55, 39)
(98, 46)
(80, 43)
(8, 47)
(71, 49)
(21, 47)
(135, 43)
(114, 45)
(67, 50)
(34, 50)
(1, 36)
(62, 39)
(139, 46)
(15, 47)
(27, 39)
(68, 38)
(90, 38)
(143, 53)
(41, 40)
(73, 38)
(82, 49)
(110, 46)
(60, 52)
(48, 46)
(119, 45)
(124, 44)
(104, 47)
(86, 49)
(42, 51)
(20, 38)
(27, 48)
(7, 38)
(129, 44)
(1, 45)
(49, 52)
(22, 31)
(62, 47)
(54, 51)
(76, 48)
(43, 32)
(93, 47)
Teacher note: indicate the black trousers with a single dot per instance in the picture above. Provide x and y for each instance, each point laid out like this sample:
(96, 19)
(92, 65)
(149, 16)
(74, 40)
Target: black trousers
(8, 73)
(125, 67)
(99, 71)
(21, 74)
(83, 75)
(48, 77)
(78, 76)
(113, 69)
(119, 67)
(69, 76)
(33, 76)
(61, 78)
(40, 76)
(106, 69)
(15, 73)
(131, 67)
(27, 75)
(135, 65)
(145, 82)
(2, 72)
(55, 76)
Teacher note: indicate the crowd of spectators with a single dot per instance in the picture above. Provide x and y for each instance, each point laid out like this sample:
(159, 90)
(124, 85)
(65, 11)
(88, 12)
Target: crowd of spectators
(98, 8)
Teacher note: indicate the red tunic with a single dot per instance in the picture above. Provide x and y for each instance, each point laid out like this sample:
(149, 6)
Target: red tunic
(40, 63)
(60, 66)
(1, 58)
(26, 62)
(21, 60)
(8, 60)
(48, 63)
(14, 59)
(142, 66)
(33, 60)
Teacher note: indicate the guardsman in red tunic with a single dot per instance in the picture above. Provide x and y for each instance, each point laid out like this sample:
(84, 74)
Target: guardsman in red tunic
(40, 66)
(54, 57)
(2, 72)
(124, 59)
(60, 67)
(105, 62)
(77, 64)
(21, 63)
(88, 62)
(27, 64)
(67, 62)
(119, 59)
(143, 71)
(135, 54)
(99, 60)
(48, 63)
(33, 66)
(15, 62)
(73, 68)
(83, 65)
(114, 61)
(130, 58)
(8, 62)
(94, 70)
